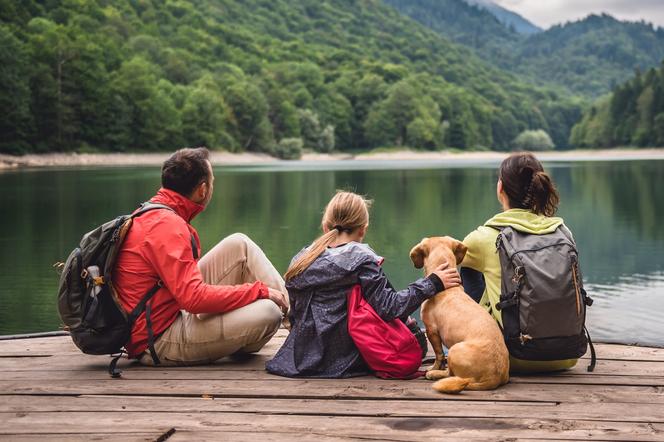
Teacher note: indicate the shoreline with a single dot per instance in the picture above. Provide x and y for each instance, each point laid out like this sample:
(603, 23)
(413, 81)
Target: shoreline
(9, 162)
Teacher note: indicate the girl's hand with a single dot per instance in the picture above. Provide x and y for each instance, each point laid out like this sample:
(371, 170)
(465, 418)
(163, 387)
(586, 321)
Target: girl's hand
(449, 276)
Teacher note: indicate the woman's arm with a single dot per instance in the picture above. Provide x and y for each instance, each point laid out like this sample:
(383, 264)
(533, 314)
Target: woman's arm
(474, 258)
(389, 303)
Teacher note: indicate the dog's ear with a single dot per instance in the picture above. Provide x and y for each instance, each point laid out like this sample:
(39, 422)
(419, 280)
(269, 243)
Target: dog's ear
(460, 250)
(417, 254)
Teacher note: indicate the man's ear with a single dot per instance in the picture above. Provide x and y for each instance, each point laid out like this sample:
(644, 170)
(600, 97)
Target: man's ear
(417, 255)
(460, 250)
(199, 192)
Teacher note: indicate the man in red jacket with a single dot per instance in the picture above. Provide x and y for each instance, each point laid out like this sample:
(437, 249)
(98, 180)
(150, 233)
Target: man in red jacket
(230, 301)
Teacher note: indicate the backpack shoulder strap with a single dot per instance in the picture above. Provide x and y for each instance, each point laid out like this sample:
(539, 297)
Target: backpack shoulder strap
(568, 234)
(148, 206)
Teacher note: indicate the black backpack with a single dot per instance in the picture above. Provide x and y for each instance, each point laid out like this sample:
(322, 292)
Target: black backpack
(87, 301)
(542, 300)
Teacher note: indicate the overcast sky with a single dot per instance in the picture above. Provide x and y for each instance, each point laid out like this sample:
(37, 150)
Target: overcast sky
(546, 13)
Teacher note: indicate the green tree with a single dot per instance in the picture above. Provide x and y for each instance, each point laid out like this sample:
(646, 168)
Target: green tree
(310, 128)
(250, 124)
(156, 122)
(658, 128)
(204, 119)
(16, 124)
(289, 149)
(326, 142)
(533, 140)
(389, 122)
(52, 52)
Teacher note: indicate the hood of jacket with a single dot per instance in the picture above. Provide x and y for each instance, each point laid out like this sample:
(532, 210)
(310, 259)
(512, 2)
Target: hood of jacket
(525, 221)
(182, 205)
(334, 267)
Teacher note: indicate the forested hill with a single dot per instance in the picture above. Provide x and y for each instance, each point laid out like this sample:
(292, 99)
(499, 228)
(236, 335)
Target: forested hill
(469, 25)
(587, 57)
(593, 55)
(632, 116)
(259, 75)
(508, 18)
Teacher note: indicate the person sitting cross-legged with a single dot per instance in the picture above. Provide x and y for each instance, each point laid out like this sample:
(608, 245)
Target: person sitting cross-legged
(230, 301)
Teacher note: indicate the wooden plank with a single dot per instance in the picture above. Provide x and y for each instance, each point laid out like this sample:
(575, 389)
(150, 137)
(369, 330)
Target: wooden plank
(267, 436)
(637, 413)
(337, 426)
(67, 348)
(63, 344)
(185, 374)
(86, 437)
(591, 379)
(201, 436)
(256, 363)
(627, 353)
(345, 388)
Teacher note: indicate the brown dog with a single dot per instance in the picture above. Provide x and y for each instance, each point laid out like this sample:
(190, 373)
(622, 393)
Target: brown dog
(477, 357)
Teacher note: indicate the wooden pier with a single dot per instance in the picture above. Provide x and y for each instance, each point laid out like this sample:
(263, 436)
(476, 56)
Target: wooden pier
(50, 391)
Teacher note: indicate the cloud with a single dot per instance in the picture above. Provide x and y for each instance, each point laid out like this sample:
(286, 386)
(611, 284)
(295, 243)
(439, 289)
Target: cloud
(549, 12)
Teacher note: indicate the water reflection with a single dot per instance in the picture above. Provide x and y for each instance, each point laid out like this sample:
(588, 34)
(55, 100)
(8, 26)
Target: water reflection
(613, 209)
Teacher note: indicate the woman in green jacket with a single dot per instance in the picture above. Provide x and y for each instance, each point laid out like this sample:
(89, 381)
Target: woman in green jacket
(529, 200)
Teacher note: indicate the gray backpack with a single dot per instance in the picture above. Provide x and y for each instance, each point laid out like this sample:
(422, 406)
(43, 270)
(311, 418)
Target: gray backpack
(542, 300)
(87, 301)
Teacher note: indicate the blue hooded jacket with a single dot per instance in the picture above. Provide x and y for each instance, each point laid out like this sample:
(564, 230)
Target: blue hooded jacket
(319, 344)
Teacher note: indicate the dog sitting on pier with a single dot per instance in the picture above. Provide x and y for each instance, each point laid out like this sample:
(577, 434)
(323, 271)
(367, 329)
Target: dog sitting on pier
(477, 357)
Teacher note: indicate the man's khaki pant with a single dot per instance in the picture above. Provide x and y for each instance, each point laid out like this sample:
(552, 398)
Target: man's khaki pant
(203, 338)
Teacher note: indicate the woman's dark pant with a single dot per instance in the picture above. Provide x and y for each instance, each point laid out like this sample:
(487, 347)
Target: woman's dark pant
(473, 283)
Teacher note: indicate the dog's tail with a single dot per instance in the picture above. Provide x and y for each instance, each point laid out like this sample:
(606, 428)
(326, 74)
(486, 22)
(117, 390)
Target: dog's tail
(452, 384)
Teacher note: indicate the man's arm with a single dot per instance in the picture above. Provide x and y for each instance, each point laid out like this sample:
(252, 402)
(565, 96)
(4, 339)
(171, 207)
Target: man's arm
(168, 248)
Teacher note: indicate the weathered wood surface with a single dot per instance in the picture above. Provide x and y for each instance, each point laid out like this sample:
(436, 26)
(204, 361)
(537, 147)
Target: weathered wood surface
(50, 391)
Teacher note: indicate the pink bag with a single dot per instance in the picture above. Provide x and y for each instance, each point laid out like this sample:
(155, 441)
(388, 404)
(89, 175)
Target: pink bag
(389, 348)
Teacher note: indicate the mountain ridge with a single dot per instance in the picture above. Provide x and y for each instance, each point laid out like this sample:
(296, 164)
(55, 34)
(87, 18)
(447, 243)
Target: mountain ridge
(508, 17)
(587, 56)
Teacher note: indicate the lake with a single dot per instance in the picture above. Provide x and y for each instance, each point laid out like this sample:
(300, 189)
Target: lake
(613, 207)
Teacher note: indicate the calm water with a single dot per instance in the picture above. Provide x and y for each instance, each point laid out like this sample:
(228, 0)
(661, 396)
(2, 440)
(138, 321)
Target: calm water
(614, 209)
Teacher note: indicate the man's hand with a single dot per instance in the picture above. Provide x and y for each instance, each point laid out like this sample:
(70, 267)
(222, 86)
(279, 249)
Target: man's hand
(278, 298)
(449, 276)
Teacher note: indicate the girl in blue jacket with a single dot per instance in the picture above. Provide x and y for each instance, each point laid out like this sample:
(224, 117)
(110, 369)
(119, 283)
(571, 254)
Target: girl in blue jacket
(318, 282)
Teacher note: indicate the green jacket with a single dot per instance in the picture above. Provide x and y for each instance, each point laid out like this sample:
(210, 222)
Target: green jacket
(482, 256)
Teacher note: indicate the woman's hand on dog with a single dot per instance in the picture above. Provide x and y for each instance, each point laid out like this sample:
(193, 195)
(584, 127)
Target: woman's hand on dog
(449, 276)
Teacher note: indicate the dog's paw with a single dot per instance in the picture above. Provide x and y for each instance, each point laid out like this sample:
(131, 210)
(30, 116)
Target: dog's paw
(434, 375)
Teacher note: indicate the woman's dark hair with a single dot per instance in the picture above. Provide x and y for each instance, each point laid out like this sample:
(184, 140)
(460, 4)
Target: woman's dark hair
(185, 170)
(527, 186)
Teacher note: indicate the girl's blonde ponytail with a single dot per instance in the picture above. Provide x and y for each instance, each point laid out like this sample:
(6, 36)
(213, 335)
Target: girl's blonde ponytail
(345, 212)
(313, 252)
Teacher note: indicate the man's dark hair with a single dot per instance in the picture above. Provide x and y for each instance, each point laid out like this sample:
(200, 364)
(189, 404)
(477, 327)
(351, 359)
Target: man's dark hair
(185, 170)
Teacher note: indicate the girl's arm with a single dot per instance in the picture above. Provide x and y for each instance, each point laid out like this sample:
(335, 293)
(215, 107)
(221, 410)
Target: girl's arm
(389, 303)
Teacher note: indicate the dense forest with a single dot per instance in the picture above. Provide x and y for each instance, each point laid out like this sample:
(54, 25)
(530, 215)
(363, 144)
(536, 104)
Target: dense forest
(588, 57)
(632, 116)
(279, 76)
(259, 75)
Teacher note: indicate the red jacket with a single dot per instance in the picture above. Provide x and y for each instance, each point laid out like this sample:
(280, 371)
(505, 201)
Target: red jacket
(158, 247)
